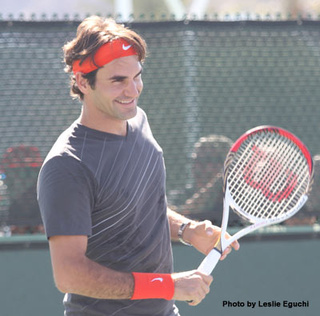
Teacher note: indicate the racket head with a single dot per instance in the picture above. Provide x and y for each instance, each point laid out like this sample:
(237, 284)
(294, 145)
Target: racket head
(268, 175)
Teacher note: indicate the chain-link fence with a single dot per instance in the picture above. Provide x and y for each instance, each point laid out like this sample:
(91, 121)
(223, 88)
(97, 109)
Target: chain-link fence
(205, 83)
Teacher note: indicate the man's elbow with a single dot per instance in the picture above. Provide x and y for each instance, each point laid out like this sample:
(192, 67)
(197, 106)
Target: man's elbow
(63, 284)
(66, 281)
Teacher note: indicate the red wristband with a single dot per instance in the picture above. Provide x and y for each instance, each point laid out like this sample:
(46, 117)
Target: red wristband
(152, 285)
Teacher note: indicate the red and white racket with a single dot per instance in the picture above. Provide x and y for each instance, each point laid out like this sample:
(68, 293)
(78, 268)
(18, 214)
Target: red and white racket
(267, 177)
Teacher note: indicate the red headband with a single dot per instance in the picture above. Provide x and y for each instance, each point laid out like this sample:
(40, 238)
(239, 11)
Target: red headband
(105, 54)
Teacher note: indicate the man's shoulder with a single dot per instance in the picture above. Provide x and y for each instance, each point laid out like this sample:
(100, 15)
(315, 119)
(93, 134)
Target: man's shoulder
(68, 144)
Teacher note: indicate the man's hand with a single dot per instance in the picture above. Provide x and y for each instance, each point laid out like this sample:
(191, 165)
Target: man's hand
(203, 236)
(191, 286)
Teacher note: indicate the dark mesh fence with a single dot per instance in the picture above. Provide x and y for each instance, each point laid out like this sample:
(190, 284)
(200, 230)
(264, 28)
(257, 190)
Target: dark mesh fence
(205, 84)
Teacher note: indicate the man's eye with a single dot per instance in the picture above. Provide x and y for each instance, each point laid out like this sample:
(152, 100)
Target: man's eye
(117, 80)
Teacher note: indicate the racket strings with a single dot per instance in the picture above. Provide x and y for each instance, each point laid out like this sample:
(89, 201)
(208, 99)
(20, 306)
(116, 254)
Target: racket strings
(269, 178)
(264, 172)
(288, 161)
(263, 177)
(272, 184)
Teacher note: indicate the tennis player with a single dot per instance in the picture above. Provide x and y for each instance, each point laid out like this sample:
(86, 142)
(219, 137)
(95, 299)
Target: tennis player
(101, 190)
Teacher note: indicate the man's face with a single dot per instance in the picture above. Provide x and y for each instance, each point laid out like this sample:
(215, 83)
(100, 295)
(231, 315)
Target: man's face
(117, 88)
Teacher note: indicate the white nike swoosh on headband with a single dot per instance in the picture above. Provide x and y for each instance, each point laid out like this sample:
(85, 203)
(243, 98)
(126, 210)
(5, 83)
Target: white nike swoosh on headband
(157, 279)
(124, 47)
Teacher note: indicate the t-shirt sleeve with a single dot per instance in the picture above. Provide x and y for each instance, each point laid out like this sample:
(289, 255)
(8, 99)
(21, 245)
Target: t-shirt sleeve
(66, 197)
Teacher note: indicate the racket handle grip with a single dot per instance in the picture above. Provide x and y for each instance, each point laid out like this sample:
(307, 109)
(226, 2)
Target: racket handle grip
(209, 262)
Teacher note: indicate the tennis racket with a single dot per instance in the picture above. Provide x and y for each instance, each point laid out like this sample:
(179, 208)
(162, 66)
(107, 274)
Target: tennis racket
(267, 177)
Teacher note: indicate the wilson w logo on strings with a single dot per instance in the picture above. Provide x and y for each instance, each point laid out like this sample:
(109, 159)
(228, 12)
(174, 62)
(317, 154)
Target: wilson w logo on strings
(266, 173)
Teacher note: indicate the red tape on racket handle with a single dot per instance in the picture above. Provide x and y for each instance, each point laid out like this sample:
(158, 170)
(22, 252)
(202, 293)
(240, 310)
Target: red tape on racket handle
(209, 262)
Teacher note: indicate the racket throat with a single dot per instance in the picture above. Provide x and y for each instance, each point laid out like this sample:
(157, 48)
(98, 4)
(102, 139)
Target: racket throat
(218, 246)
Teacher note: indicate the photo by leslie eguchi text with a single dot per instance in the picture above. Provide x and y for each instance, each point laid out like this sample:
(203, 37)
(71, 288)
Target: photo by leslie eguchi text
(266, 304)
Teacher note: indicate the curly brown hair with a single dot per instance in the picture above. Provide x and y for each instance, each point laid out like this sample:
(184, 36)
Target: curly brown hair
(92, 33)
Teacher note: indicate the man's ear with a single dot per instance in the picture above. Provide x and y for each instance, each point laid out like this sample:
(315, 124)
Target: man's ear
(82, 83)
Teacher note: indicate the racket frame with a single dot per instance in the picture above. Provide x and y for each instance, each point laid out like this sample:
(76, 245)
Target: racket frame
(210, 261)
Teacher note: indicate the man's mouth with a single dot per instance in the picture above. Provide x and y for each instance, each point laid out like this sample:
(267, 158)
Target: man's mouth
(126, 102)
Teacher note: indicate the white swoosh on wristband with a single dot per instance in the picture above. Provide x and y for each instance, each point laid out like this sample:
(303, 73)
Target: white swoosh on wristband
(157, 279)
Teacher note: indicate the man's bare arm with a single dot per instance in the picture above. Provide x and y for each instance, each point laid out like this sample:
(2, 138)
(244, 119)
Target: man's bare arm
(75, 273)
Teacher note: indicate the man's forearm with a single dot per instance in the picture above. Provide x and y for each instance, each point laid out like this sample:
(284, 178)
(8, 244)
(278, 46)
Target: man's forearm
(75, 273)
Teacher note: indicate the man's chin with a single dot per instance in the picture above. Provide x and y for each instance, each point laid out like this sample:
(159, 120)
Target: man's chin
(129, 114)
